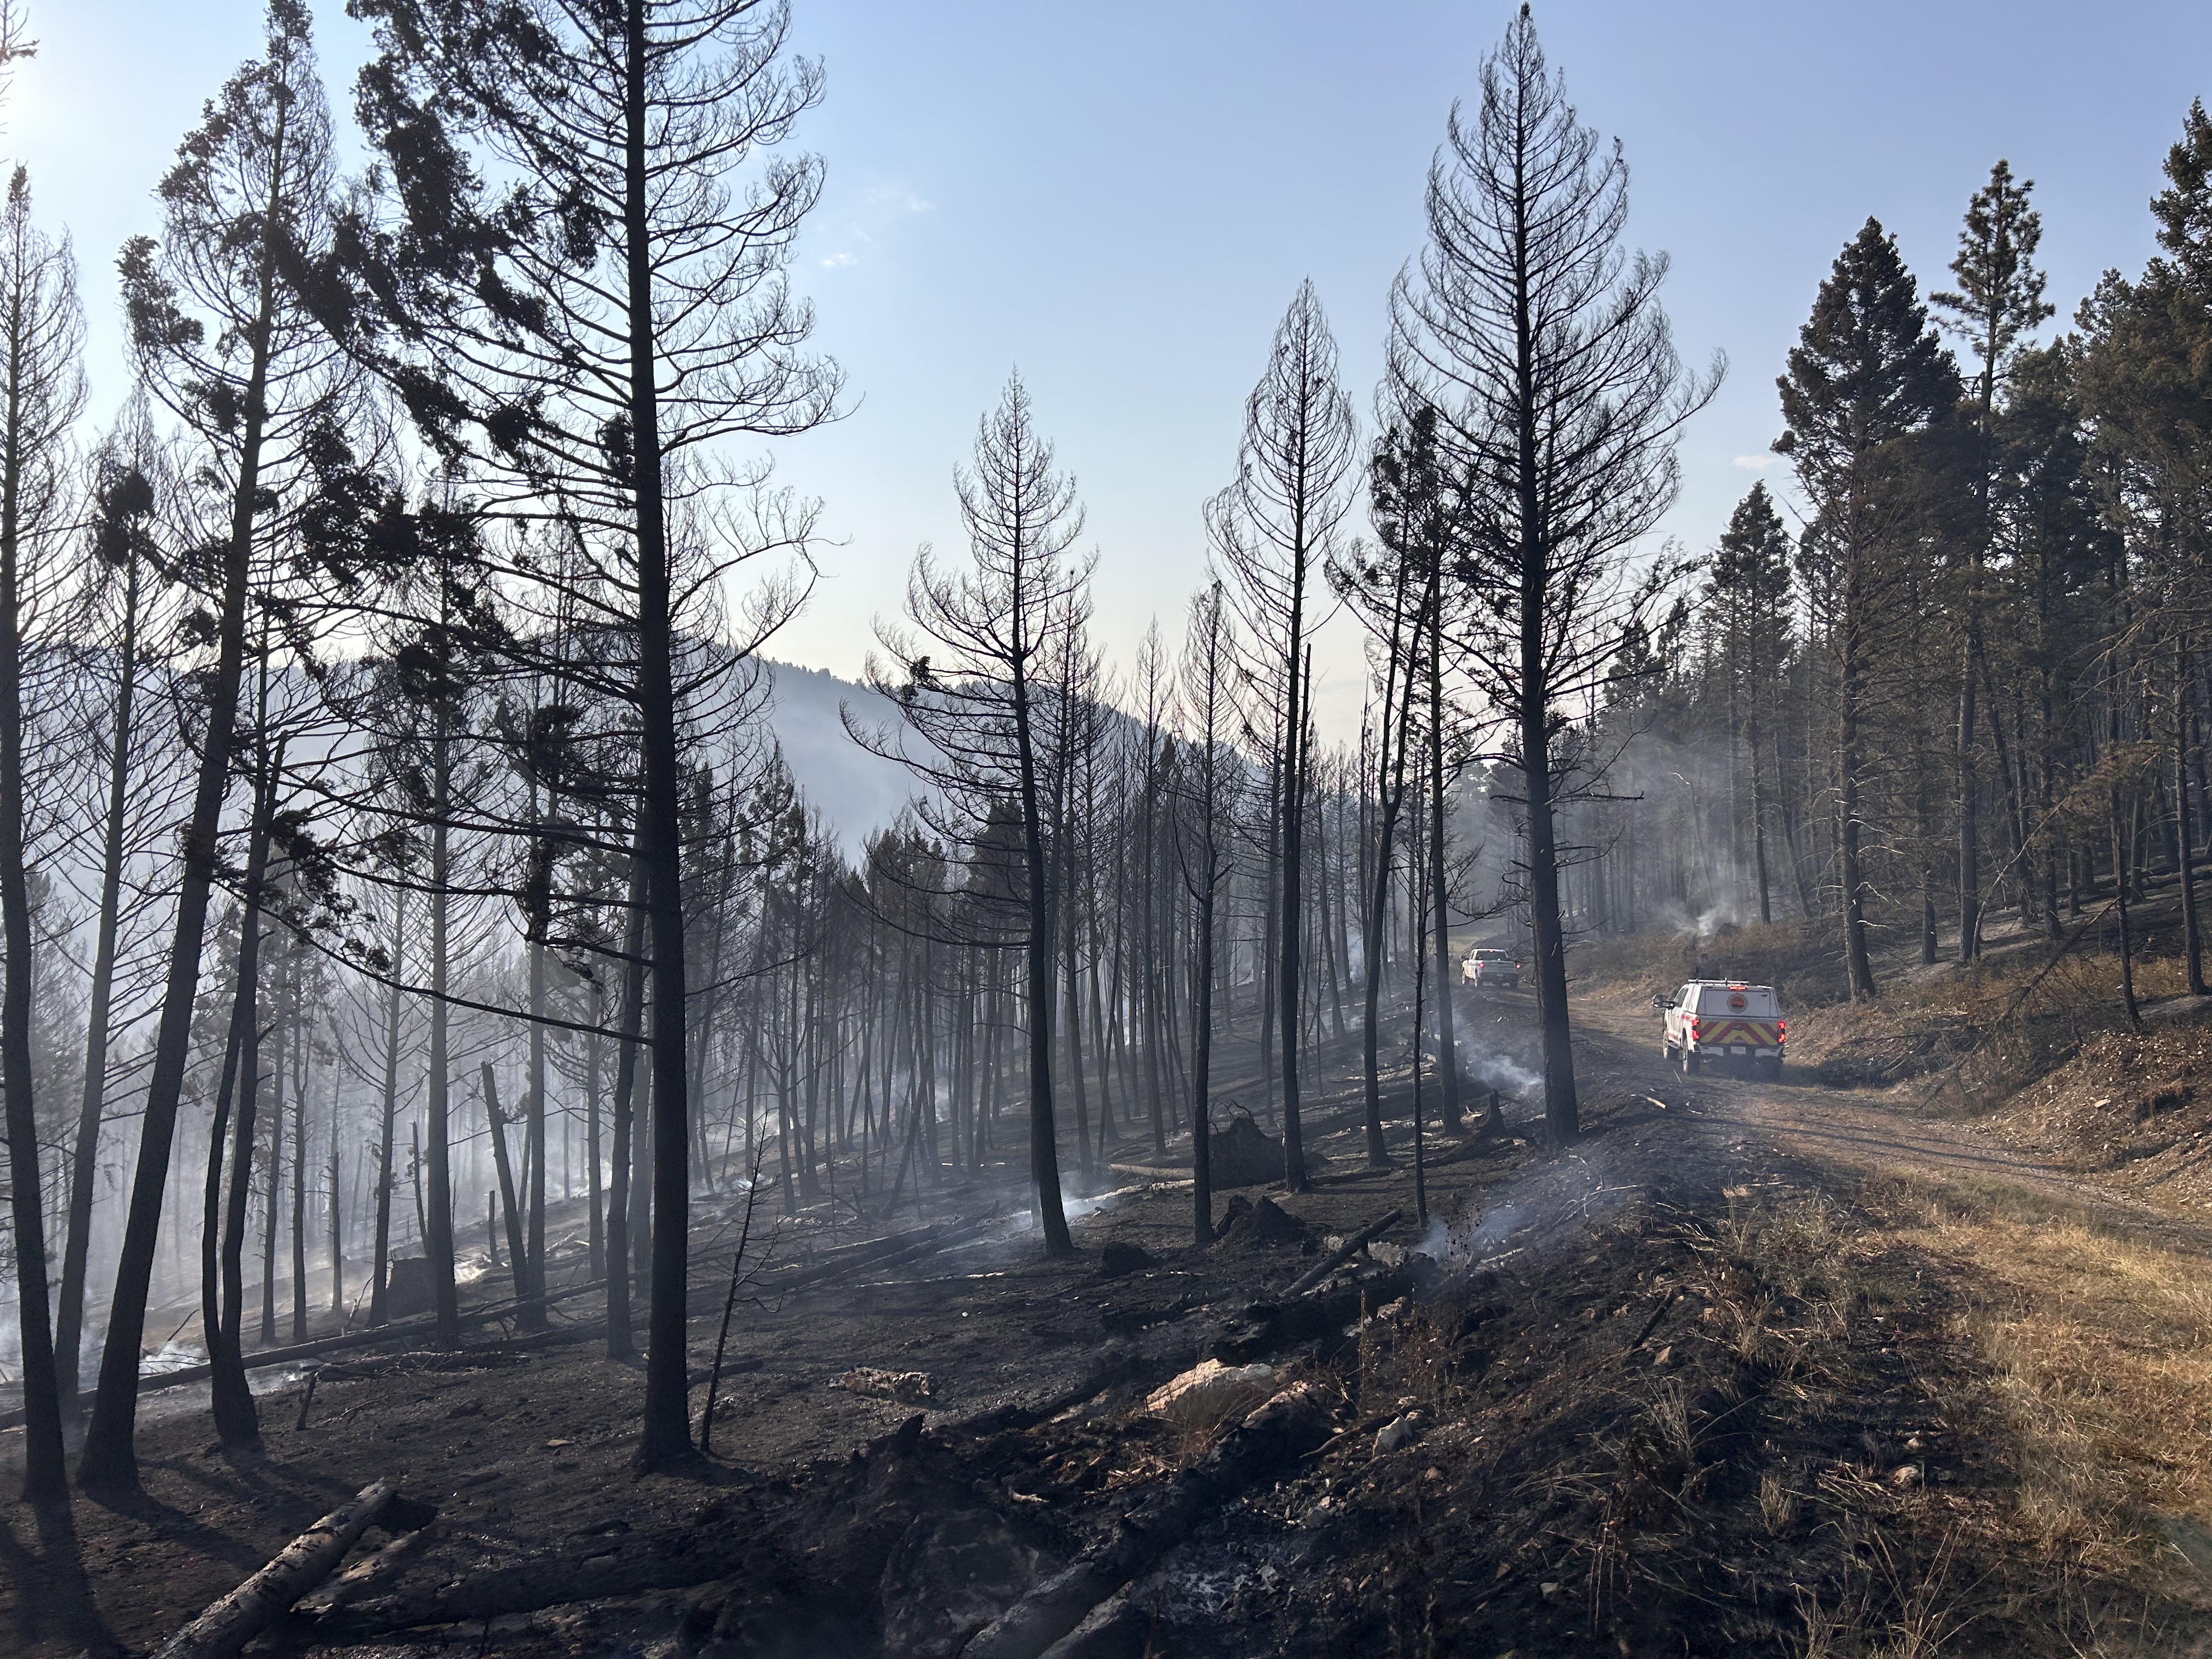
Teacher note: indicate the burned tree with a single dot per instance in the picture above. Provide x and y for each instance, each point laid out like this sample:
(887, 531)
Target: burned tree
(596, 327)
(1546, 352)
(1273, 531)
(228, 341)
(1206, 778)
(971, 672)
(41, 390)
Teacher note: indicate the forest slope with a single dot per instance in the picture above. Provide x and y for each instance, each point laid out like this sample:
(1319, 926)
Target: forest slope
(1753, 1366)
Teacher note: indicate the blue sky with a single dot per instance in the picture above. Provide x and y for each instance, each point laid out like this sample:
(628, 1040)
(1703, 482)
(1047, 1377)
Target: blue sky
(1120, 199)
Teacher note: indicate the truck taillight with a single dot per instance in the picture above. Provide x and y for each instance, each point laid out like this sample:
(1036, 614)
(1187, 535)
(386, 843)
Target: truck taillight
(1697, 1030)
(1781, 1027)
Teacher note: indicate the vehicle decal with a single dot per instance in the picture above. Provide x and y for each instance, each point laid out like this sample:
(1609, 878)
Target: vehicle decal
(1761, 1033)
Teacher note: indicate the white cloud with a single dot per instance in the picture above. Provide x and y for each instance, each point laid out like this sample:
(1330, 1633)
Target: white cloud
(1757, 463)
(898, 198)
(881, 204)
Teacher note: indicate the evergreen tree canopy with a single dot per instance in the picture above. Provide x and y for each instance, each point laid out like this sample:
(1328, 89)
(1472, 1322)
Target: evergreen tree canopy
(1867, 368)
(1753, 563)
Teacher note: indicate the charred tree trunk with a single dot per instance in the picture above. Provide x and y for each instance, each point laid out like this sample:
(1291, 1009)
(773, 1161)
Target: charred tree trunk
(45, 1479)
(1439, 871)
(495, 1125)
(110, 1457)
(380, 1273)
(68, 1340)
(237, 1422)
(438, 1239)
(620, 1344)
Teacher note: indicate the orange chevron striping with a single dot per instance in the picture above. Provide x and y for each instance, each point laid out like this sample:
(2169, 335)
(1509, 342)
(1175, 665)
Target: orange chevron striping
(1759, 1033)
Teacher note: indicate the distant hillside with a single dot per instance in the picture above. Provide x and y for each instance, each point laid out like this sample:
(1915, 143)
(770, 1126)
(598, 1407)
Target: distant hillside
(856, 791)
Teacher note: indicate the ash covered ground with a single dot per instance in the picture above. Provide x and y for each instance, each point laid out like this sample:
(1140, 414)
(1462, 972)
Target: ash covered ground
(1670, 1389)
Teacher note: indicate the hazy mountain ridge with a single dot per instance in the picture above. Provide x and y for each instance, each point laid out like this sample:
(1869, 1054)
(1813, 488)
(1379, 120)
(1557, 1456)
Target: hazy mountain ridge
(857, 792)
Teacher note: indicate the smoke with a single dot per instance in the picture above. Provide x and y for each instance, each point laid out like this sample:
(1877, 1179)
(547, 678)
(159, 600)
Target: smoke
(174, 1355)
(1463, 1244)
(1491, 1068)
(1702, 924)
(1076, 1209)
(1531, 1213)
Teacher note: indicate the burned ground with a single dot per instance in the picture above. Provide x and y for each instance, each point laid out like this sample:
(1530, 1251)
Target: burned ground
(1700, 1383)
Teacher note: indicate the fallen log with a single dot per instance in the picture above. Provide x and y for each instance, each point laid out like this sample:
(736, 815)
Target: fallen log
(368, 1572)
(940, 1237)
(1343, 1253)
(1277, 1433)
(1117, 1364)
(230, 1624)
(1170, 1175)
(1114, 1628)
(1270, 1326)
(831, 1263)
(709, 1547)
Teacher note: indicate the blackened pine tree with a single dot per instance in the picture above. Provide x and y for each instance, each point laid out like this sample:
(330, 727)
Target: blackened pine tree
(1272, 531)
(1434, 656)
(437, 636)
(41, 391)
(1867, 377)
(1137, 780)
(397, 853)
(223, 318)
(1552, 368)
(537, 736)
(132, 485)
(1074, 729)
(222, 1235)
(1996, 307)
(1206, 780)
(1751, 587)
(971, 674)
(1393, 587)
(595, 325)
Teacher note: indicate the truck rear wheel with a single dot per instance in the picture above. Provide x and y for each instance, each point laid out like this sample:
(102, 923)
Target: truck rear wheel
(1772, 1068)
(1689, 1063)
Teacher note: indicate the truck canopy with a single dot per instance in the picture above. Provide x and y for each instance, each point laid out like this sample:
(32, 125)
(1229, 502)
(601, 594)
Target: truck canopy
(1721, 998)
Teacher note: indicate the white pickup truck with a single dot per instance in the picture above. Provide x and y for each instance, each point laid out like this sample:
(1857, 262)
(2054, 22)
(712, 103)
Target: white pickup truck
(1726, 1020)
(1488, 968)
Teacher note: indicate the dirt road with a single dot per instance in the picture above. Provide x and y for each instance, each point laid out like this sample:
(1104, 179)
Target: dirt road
(1862, 1131)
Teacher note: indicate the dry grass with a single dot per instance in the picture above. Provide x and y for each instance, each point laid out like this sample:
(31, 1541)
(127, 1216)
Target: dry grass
(2098, 1351)
(2132, 1109)
(1779, 1504)
(2088, 1383)
(1937, 1419)
(1967, 1039)
(1898, 1608)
